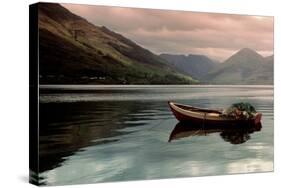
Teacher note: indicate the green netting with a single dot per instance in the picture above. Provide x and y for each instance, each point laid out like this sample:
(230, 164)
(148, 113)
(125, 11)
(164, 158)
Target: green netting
(240, 111)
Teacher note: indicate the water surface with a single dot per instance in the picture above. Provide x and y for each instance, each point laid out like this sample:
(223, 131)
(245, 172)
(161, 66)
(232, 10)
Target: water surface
(117, 133)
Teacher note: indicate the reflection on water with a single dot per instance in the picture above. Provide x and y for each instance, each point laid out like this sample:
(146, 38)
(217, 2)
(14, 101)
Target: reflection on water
(93, 134)
(233, 135)
(85, 93)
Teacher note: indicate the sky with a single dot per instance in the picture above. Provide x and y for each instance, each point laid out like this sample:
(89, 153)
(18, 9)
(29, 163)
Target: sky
(181, 32)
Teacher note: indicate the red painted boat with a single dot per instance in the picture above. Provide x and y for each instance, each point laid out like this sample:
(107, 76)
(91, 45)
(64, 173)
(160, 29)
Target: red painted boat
(209, 117)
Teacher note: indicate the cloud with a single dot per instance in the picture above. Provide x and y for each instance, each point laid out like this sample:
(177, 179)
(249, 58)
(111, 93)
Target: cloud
(183, 32)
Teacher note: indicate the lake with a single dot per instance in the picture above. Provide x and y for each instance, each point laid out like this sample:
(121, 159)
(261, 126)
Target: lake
(94, 134)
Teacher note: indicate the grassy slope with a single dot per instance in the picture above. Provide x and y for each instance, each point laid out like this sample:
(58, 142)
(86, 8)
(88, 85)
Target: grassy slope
(95, 54)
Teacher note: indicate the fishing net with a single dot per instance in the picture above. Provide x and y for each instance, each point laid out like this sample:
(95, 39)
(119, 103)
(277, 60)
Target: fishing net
(240, 111)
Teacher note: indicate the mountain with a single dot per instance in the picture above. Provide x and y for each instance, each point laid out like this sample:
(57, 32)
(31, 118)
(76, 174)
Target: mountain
(195, 65)
(265, 71)
(269, 59)
(74, 51)
(244, 67)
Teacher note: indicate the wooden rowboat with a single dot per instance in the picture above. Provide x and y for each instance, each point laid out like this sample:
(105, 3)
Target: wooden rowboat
(209, 117)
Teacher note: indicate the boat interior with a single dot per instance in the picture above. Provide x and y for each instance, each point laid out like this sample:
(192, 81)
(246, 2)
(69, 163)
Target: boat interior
(195, 109)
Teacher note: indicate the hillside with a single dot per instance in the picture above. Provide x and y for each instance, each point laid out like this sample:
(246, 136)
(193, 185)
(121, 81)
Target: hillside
(244, 67)
(195, 65)
(74, 51)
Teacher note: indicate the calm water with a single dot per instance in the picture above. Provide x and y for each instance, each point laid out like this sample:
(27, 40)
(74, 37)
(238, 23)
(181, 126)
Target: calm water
(117, 133)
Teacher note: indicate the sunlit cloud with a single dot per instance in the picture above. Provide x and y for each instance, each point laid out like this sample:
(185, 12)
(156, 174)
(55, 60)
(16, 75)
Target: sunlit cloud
(183, 32)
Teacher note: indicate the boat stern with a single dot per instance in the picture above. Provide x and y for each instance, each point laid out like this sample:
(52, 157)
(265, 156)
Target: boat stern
(258, 118)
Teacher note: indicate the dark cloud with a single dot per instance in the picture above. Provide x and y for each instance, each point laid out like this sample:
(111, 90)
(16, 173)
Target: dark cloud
(182, 32)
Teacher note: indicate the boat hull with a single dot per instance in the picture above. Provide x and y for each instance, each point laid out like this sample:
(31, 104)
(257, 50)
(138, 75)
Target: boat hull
(204, 119)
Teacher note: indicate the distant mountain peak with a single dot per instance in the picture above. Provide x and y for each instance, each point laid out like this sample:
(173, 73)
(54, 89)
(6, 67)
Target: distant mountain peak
(245, 55)
(244, 67)
(247, 52)
(195, 65)
(196, 55)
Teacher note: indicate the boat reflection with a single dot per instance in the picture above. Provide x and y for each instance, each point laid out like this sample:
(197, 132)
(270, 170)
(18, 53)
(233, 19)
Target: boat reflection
(230, 134)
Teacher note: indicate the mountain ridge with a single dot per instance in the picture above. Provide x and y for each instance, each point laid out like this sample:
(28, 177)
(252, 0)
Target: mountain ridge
(244, 67)
(195, 65)
(73, 50)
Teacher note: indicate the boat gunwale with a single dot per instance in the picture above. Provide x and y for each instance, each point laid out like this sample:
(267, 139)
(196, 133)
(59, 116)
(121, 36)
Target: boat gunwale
(202, 113)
